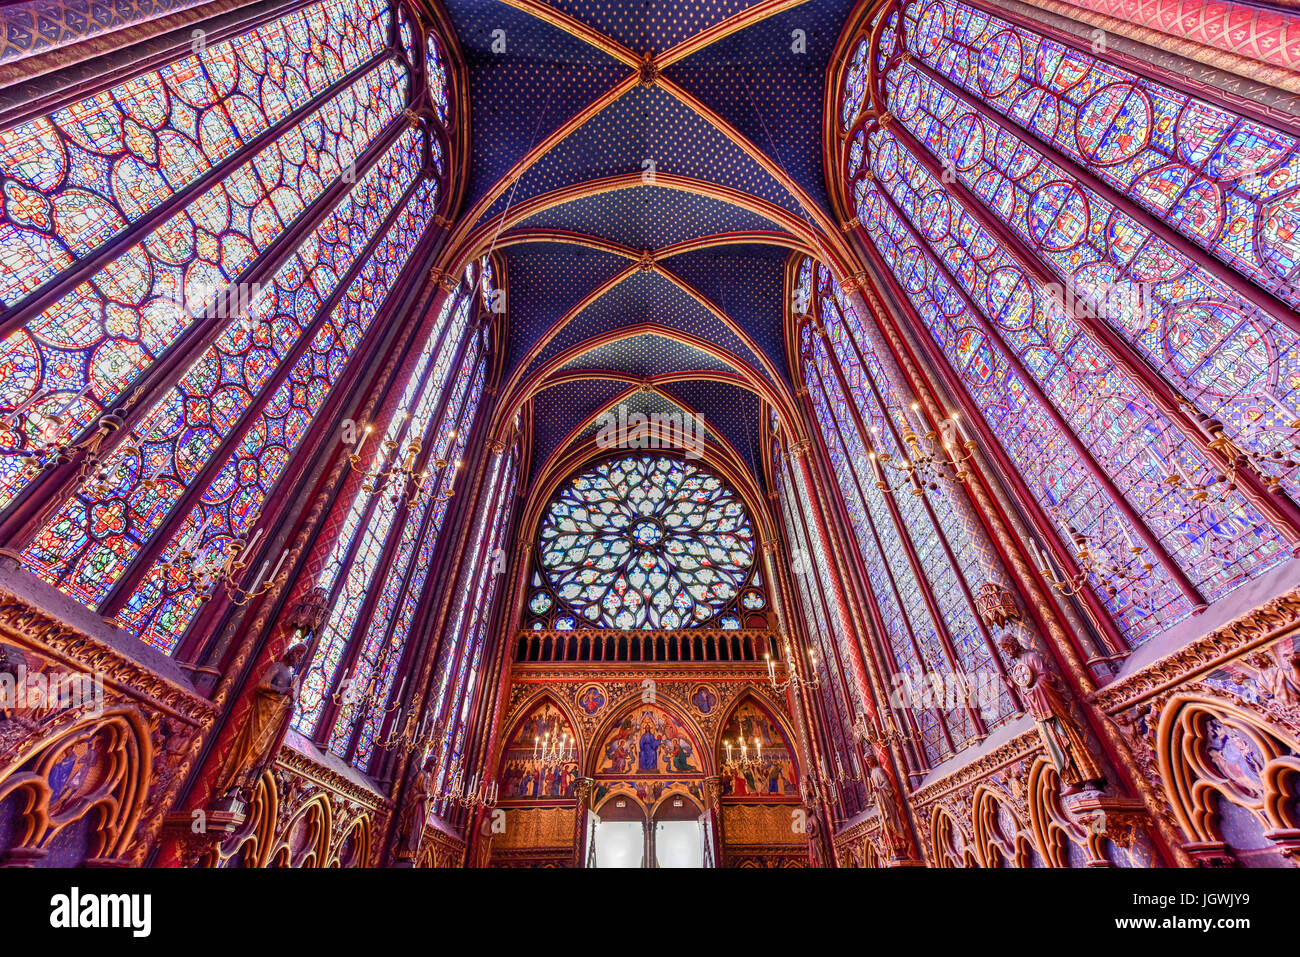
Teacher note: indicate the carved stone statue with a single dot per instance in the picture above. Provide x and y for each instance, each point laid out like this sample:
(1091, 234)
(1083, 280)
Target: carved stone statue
(881, 788)
(410, 827)
(1042, 692)
(259, 738)
(814, 840)
(9, 689)
(1279, 676)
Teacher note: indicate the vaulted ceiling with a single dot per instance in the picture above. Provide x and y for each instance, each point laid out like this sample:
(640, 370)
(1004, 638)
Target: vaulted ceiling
(644, 169)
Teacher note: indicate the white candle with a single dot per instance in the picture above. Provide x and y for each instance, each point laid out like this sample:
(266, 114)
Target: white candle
(1065, 527)
(260, 573)
(1051, 565)
(283, 555)
(875, 467)
(921, 425)
(961, 426)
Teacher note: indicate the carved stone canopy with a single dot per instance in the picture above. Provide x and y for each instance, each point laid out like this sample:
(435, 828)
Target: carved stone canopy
(308, 613)
(996, 605)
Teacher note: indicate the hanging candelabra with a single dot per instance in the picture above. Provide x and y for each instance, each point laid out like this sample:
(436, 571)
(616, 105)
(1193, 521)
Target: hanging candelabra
(221, 566)
(888, 733)
(740, 762)
(1283, 453)
(53, 442)
(1205, 512)
(794, 678)
(400, 478)
(837, 776)
(476, 792)
(45, 430)
(414, 736)
(933, 457)
(553, 751)
(372, 698)
(1097, 562)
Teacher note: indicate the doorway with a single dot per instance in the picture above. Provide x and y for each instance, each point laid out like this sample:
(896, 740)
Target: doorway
(680, 838)
(675, 834)
(618, 834)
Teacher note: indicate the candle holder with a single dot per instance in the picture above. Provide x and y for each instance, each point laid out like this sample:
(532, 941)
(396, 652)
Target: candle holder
(372, 697)
(45, 429)
(1097, 562)
(793, 676)
(871, 736)
(1283, 449)
(1207, 509)
(400, 478)
(220, 567)
(836, 781)
(413, 737)
(933, 458)
(552, 752)
(746, 765)
(477, 792)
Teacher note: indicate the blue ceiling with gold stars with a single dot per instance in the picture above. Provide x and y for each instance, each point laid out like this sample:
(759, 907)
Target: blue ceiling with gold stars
(644, 169)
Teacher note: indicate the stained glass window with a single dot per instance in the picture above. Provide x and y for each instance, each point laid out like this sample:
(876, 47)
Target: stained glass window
(460, 657)
(91, 542)
(645, 542)
(77, 177)
(437, 415)
(813, 588)
(83, 351)
(436, 75)
(391, 619)
(1223, 180)
(1040, 210)
(924, 555)
(249, 209)
(1197, 325)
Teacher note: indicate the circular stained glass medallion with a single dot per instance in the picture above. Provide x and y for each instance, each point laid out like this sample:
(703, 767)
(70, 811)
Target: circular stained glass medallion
(646, 542)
